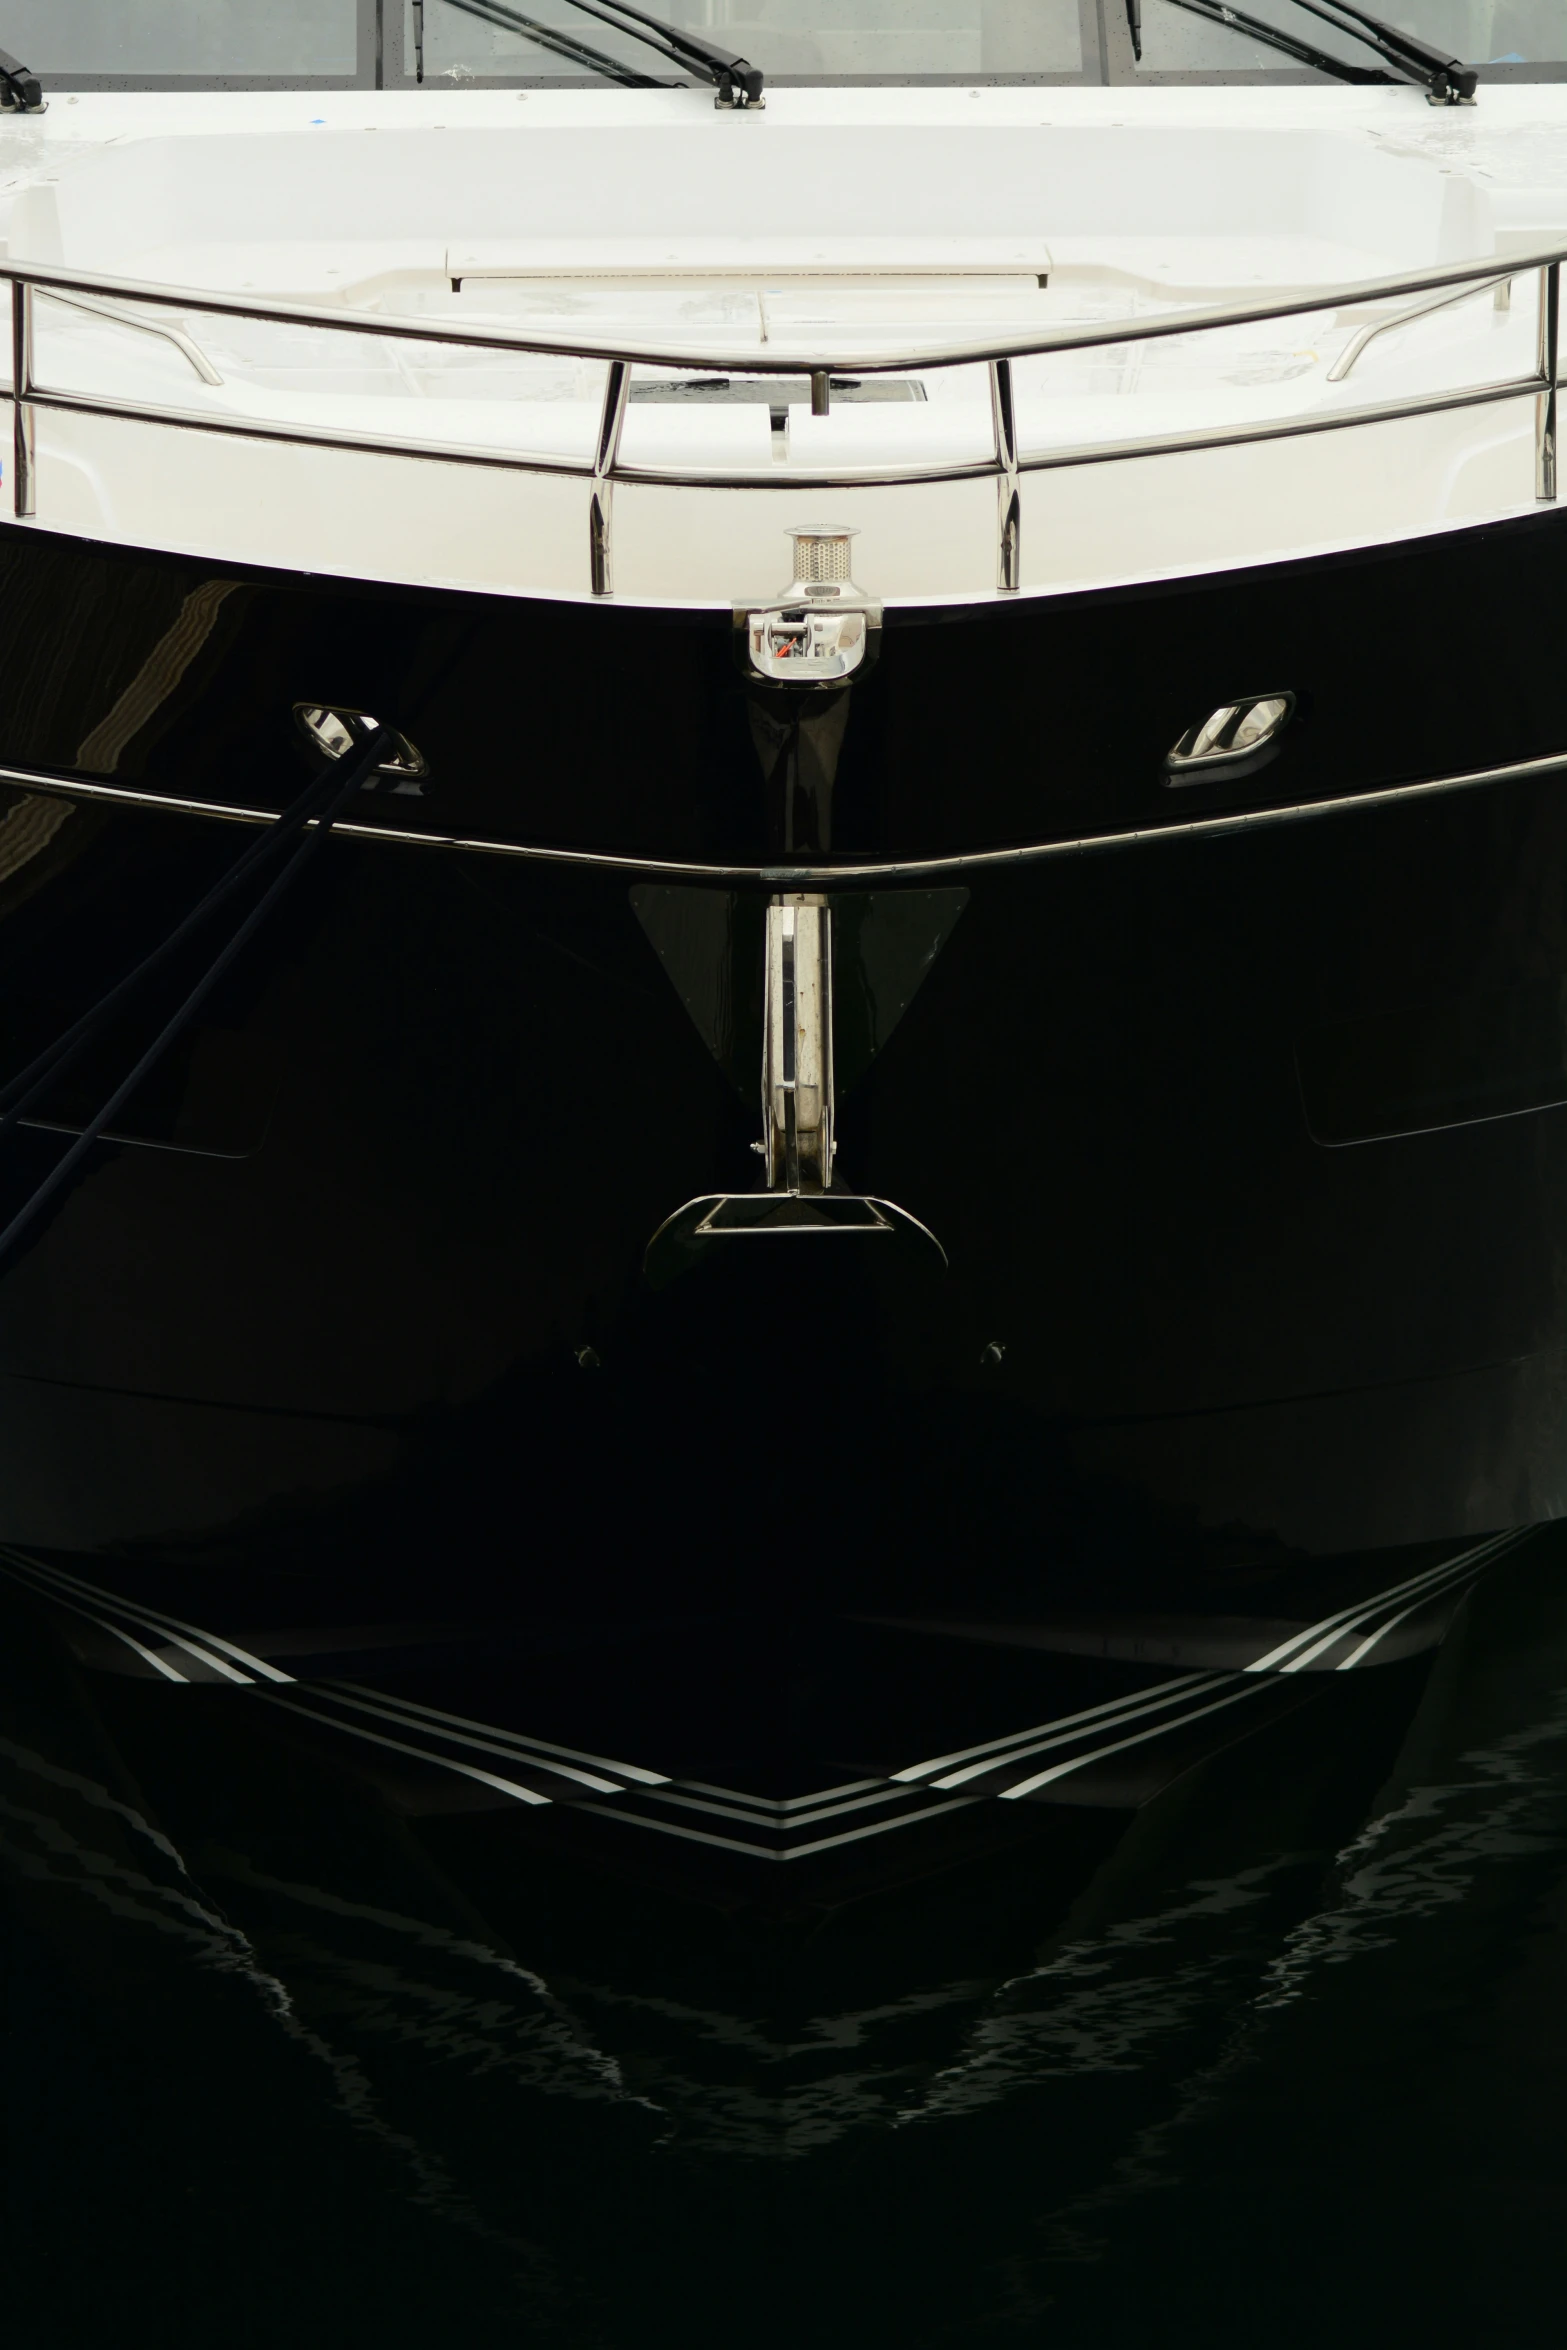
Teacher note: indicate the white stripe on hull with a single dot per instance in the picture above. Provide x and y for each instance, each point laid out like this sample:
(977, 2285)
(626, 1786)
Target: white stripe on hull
(549, 1773)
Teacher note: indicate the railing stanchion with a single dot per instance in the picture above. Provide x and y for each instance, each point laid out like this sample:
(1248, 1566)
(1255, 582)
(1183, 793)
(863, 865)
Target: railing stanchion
(1004, 464)
(24, 490)
(1545, 401)
(617, 385)
(1009, 548)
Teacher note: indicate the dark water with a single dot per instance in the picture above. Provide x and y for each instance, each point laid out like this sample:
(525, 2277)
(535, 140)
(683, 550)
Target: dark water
(1282, 2060)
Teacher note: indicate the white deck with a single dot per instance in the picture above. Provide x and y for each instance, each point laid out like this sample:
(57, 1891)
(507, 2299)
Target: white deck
(856, 221)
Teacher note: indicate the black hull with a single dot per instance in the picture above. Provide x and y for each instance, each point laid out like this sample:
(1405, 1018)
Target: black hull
(1246, 1148)
(785, 1762)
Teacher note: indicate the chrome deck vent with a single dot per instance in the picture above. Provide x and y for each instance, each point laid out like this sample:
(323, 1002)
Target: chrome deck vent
(1229, 736)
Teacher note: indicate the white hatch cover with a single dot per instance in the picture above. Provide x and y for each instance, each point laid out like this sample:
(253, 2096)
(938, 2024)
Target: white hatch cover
(750, 257)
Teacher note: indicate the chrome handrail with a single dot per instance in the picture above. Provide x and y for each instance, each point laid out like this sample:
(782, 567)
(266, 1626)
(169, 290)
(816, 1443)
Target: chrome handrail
(1384, 326)
(768, 361)
(185, 344)
(605, 466)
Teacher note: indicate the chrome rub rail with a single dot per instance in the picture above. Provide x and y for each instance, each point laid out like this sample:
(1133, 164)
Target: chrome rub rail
(815, 877)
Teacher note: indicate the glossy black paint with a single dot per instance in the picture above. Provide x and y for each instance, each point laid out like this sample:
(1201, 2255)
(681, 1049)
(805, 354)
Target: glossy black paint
(362, 1290)
(604, 728)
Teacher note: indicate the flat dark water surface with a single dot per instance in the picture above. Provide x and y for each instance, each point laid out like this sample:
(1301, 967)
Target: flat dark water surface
(1281, 2059)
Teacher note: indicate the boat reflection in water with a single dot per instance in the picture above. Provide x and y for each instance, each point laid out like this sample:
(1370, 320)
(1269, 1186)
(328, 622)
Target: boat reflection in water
(458, 2058)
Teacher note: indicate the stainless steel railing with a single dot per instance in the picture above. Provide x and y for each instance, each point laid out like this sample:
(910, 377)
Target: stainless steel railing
(1006, 464)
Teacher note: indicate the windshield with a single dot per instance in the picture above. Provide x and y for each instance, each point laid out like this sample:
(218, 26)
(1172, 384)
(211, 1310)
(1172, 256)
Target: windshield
(84, 44)
(1509, 33)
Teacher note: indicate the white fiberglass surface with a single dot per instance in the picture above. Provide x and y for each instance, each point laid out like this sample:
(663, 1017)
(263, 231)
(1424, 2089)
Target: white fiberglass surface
(317, 214)
(937, 417)
(381, 517)
(338, 380)
(933, 237)
(1275, 369)
(805, 236)
(696, 421)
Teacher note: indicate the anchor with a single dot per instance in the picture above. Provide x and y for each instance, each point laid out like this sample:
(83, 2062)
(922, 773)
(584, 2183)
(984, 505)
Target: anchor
(802, 652)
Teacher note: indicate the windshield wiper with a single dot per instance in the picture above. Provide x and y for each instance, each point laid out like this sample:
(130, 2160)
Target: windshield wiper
(21, 92)
(548, 37)
(737, 81)
(1447, 81)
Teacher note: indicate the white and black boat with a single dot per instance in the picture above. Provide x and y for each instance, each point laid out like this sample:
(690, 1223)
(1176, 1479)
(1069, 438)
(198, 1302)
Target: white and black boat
(781, 886)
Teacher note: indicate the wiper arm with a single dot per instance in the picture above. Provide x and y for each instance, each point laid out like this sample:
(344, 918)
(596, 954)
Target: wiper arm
(1273, 35)
(21, 92)
(548, 37)
(1445, 80)
(737, 81)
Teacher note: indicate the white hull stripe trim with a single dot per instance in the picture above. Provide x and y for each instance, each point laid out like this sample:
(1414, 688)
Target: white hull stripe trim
(1167, 1692)
(1346, 1663)
(38, 1580)
(1470, 1561)
(422, 1754)
(1359, 1610)
(1431, 1584)
(1458, 1571)
(804, 1819)
(153, 1618)
(911, 1819)
(770, 1807)
(1463, 1572)
(1171, 1698)
(1101, 1753)
(535, 1746)
(115, 1632)
(1064, 1737)
(393, 1712)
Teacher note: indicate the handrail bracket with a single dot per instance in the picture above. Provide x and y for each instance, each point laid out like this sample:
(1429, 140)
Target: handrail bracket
(1545, 398)
(24, 487)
